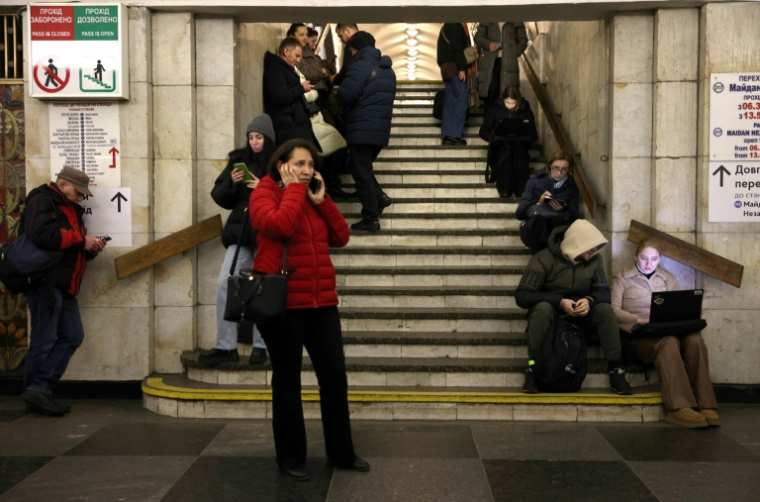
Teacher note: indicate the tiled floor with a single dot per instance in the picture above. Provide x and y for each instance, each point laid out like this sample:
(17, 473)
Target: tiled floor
(116, 450)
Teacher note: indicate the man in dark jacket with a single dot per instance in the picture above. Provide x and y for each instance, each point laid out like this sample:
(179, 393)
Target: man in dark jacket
(368, 92)
(53, 220)
(284, 93)
(568, 277)
(452, 40)
(345, 32)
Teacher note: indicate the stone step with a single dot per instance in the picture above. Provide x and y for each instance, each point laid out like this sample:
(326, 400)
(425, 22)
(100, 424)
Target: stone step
(179, 397)
(435, 238)
(493, 221)
(440, 206)
(437, 164)
(434, 140)
(459, 297)
(449, 320)
(421, 86)
(502, 256)
(436, 191)
(421, 108)
(380, 372)
(440, 151)
(428, 276)
(424, 93)
(428, 119)
(470, 131)
(415, 176)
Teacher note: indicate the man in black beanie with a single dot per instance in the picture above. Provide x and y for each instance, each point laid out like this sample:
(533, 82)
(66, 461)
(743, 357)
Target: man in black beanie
(368, 92)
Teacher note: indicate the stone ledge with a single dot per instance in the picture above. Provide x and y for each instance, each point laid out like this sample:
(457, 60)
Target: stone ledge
(433, 250)
(476, 232)
(458, 270)
(426, 291)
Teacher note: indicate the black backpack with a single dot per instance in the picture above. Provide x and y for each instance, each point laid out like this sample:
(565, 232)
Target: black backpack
(562, 365)
(438, 105)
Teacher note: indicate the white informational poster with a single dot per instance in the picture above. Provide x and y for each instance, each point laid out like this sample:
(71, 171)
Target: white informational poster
(78, 50)
(86, 136)
(108, 212)
(734, 186)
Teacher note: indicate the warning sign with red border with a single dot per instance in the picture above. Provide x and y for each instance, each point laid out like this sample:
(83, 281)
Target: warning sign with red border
(78, 51)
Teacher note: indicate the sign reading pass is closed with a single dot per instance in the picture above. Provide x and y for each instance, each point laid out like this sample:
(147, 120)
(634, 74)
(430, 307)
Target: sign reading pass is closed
(78, 51)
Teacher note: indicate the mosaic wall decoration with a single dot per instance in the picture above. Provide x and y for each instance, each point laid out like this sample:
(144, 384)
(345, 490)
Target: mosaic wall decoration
(13, 319)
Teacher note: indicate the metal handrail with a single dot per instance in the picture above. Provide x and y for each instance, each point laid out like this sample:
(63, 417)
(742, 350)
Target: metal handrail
(579, 175)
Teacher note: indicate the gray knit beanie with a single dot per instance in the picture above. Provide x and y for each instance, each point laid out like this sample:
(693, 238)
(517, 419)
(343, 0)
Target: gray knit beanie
(261, 124)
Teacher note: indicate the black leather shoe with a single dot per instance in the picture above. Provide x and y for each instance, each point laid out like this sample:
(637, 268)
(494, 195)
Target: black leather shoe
(258, 356)
(339, 194)
(359, 465)
(44, 404)
(505, 195)
(297, 473)
(368, 225)
(384, 202)
(530, 387)
(449, 141)
(214, 357)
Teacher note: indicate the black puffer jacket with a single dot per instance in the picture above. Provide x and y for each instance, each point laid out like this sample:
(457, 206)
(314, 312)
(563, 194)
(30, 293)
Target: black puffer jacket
(236, 196)
(284, 100)
(370, 105)
(452, 40)
(542, 182)
(500, 111)
(53, 222)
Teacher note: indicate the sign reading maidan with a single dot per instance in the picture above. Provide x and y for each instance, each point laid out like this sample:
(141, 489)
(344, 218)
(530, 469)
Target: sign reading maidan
(78, 51)
(734, 166)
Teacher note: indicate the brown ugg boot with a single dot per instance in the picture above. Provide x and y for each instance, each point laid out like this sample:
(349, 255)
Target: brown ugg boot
(712, 417)
(686, 417)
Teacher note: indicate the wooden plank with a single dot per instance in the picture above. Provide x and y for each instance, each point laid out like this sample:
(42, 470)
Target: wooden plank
(556, 126)
(710, 263)
(160, 250)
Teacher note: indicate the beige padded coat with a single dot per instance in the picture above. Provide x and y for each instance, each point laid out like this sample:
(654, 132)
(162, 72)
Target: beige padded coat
(632, 294)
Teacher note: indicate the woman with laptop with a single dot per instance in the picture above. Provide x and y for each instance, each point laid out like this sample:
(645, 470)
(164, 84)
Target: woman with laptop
(510, 129)
(687, 392)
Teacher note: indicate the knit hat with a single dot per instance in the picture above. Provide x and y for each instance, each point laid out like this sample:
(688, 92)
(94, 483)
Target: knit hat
(261, 124)
(361, 39)
(77, 178)
(580, 237)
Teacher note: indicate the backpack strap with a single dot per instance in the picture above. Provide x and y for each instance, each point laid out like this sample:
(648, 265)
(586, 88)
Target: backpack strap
(373, 73)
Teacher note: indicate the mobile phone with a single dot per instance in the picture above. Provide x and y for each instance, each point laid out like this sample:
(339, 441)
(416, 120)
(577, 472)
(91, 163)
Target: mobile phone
(558, 201)
(246, 173)
(315, 185)
(105, 238)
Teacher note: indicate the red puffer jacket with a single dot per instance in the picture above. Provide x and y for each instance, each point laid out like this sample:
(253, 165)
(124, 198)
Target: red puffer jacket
(280, 215)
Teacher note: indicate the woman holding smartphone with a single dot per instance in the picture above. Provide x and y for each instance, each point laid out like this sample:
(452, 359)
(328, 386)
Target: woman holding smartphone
(290, 206)
(232, 190)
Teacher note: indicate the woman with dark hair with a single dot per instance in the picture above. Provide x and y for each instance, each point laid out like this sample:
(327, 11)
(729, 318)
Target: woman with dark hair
(233, 191)
(310, 65)
(290, 206)
(551, 199)
(507, 150)
(687, 392)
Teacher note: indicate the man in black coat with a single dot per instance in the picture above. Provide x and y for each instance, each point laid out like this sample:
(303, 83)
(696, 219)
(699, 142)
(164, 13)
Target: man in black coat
(368, 91)
(284, 93)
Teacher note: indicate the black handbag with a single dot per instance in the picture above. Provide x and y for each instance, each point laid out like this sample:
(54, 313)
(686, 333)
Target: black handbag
(253, 295)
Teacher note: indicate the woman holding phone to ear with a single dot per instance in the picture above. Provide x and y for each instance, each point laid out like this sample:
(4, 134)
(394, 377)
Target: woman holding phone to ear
(232, 191)
(290, 206)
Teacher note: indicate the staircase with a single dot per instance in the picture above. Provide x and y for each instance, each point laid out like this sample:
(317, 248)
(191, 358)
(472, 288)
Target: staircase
(430, 325)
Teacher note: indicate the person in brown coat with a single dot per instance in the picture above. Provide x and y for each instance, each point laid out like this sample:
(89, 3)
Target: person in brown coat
(687, 392)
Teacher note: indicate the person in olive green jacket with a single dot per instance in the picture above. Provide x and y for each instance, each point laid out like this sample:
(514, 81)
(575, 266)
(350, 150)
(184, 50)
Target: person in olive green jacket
(568, 277)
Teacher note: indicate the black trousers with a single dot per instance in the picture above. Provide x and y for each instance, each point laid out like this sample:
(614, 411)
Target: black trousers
(368, 189)
(494, 94)
(319, 331)
(510, 163)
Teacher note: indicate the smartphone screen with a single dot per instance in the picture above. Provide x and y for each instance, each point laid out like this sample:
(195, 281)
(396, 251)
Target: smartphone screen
(246, 173)
(315, 185)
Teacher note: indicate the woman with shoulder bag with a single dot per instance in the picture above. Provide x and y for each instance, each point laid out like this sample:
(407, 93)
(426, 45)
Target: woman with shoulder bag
(290, 207)
(232, 191)
(687, 392)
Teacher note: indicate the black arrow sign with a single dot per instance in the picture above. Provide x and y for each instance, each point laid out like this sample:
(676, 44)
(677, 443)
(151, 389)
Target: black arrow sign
(119, 197)
(722, 170)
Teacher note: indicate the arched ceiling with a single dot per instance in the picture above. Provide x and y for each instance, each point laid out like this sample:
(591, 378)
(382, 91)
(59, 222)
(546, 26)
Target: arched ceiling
(392, 40)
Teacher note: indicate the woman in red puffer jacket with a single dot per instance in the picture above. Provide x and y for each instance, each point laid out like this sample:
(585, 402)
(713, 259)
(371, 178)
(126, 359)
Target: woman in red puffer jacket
(290, 205)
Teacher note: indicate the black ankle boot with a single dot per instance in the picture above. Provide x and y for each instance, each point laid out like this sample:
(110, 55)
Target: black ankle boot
(214, 357)
(368, 225)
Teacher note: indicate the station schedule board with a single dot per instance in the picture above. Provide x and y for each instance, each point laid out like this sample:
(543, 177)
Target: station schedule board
(734, 156)
(78, 51)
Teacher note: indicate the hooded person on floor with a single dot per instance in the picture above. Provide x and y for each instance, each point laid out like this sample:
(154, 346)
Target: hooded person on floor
(568, 277)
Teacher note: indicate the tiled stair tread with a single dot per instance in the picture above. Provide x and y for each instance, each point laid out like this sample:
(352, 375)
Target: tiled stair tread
(448, 160)
(174, 386)
(461, 200)
(431, 338)
(414, 364)
(501, 250)
(436, 147)
(428, 185)
(430, 313)
(426, 291)
(441, 231)
(428, 270)
(438, 216)
(427, 135)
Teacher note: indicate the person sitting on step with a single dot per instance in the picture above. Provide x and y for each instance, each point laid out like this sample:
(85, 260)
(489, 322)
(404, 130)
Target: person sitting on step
(508, 153)
(568, 277)
(551, 199)
(232, 191)
(687, 392)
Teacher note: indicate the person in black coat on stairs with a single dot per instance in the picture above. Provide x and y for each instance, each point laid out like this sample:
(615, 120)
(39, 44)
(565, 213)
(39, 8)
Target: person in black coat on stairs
(368, 91)
(232, 192)
(284, 93)
(508, 154)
